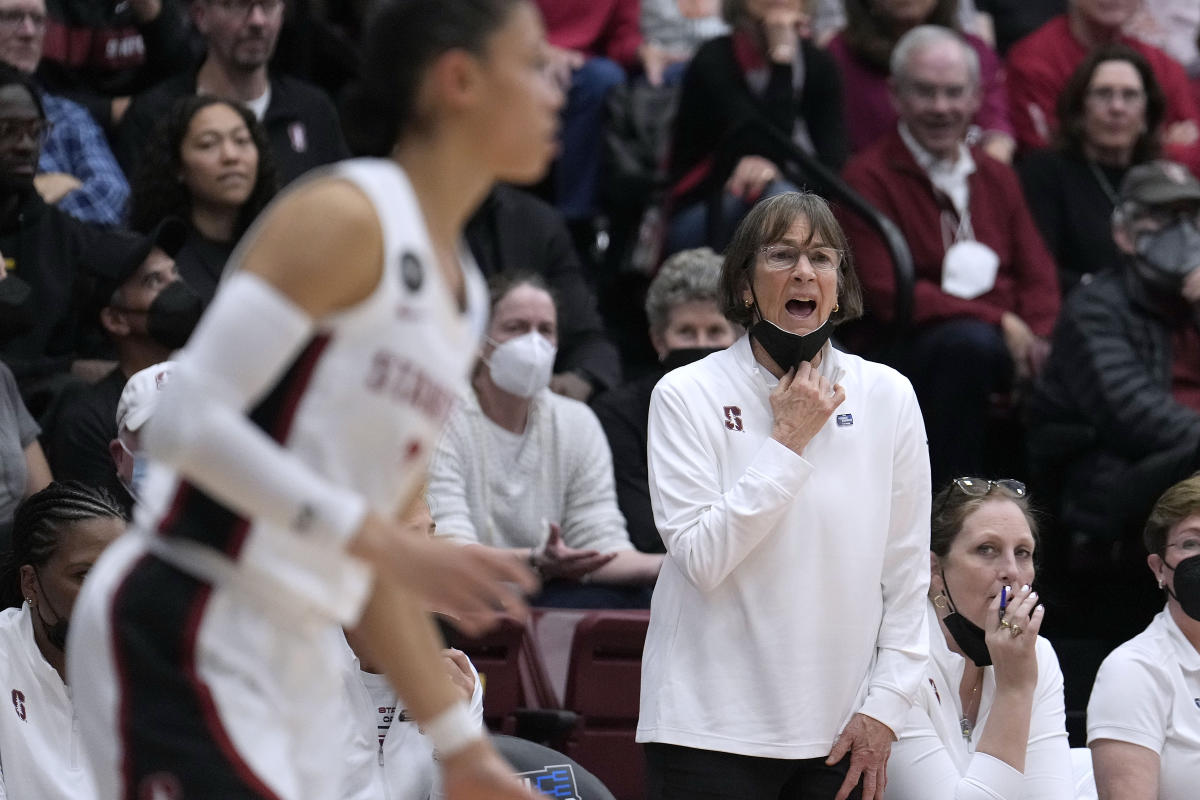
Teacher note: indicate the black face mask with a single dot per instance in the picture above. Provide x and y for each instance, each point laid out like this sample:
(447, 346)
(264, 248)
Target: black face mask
(682, 356)
(56, 632)
(966, 634)
(1187, 585)
(788, 349)
(16, 306)
(1165, 257)
(173, 315)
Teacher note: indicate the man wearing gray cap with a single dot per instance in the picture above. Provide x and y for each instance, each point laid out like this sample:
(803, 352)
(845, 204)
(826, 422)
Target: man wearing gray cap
(1116, 416)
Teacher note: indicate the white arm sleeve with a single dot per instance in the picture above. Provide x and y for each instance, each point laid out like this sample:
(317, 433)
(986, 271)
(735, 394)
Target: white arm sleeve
(247, 339)
(903, 643)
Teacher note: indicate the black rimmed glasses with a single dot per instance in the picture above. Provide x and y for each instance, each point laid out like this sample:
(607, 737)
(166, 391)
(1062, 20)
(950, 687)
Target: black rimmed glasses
(13, 18)
(13, 130)
(779, 257)
(1107, 95)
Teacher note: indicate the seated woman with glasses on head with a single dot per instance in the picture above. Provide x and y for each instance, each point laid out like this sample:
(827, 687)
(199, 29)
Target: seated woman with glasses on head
(989, 721)
(1144, 716)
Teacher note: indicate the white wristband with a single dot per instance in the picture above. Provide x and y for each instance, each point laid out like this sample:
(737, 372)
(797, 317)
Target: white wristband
(453, 730)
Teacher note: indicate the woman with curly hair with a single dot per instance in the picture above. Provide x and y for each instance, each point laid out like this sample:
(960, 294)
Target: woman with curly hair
(207, 162)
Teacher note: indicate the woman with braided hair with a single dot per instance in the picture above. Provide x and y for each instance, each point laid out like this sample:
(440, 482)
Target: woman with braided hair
(58, 533)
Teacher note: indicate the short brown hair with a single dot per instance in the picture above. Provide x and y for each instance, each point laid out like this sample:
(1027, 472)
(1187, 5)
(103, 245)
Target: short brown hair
(766, 223)
(952, 506)
(1176, 504)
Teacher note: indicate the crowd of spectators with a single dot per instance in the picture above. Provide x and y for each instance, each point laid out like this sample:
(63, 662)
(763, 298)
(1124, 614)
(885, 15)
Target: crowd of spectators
(1039, 160)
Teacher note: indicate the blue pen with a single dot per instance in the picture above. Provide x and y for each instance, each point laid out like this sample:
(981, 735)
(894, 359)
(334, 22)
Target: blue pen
(1003, 600)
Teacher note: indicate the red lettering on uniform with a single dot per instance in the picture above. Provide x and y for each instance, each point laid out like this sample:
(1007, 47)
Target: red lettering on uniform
(19, 703)
(404, 381)
(733, 418)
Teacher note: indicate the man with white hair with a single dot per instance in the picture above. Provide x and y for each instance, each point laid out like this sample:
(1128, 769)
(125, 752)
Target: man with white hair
(986, 291)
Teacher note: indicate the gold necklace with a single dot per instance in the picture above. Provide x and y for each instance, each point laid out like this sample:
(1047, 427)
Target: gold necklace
(971, 706)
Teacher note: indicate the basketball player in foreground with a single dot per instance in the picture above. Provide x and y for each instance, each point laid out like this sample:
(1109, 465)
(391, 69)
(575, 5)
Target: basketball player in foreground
(295, 430)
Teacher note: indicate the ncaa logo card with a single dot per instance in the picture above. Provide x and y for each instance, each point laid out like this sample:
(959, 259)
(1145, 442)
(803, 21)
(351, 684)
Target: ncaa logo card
(557, 781)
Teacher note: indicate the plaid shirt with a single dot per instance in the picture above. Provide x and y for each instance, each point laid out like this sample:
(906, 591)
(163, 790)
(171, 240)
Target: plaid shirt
(77, 146)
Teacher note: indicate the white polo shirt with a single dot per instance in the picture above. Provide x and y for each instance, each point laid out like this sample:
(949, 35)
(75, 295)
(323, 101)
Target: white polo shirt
(1147, 693)
(40, 755)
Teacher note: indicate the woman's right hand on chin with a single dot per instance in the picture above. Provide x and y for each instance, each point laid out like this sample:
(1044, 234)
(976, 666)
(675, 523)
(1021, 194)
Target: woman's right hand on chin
(802, 403)
(1014, 654)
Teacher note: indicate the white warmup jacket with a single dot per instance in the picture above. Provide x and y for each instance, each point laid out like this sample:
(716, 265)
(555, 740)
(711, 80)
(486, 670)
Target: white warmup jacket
(402, 766)
(932, 760)
(793, 594)
(1147, 693)
(41, 756)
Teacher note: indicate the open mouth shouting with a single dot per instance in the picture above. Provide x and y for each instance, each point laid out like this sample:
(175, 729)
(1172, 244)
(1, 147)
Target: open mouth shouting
(801, 309)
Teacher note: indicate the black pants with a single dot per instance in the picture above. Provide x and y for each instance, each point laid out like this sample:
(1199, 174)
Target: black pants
(684, 773)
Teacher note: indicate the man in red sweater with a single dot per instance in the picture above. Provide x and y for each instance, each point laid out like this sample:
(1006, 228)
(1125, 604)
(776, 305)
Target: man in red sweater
(593, 43)
(986, 292)
(1040, 64)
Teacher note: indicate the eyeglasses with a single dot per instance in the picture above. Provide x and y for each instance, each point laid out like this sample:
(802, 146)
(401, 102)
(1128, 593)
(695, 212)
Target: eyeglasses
(779, 257)
(1105, 95)
(981, 487)
(1190, 546)
(242, 8)
(976, 487)
(13, 130)
(14, 18)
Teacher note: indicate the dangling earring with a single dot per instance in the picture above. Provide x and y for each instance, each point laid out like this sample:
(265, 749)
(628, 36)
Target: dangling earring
(939, 600)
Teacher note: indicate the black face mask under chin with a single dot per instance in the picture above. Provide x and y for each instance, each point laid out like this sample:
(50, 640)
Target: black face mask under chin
(966, 634)
(682, 356)
(1187, 585)
(788, 349)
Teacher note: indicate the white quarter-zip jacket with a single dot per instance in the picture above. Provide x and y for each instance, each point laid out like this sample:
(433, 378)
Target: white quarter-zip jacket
(793, 593)
(40, 752)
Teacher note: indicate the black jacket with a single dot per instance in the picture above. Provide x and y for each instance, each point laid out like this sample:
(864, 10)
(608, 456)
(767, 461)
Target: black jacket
(60, 258)
(301, 122)
(1103, 407)
(715, 100)
(515, 231)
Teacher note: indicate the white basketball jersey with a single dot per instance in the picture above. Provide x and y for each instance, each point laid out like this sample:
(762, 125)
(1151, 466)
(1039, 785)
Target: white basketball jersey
(363, 405)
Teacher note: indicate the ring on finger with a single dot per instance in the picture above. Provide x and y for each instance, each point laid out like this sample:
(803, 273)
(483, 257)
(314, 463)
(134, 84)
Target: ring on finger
(1004, 623)
(1016, 630)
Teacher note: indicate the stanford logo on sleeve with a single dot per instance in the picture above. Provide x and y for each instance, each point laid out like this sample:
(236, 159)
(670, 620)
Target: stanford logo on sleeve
(733, 418)
(18, 699)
